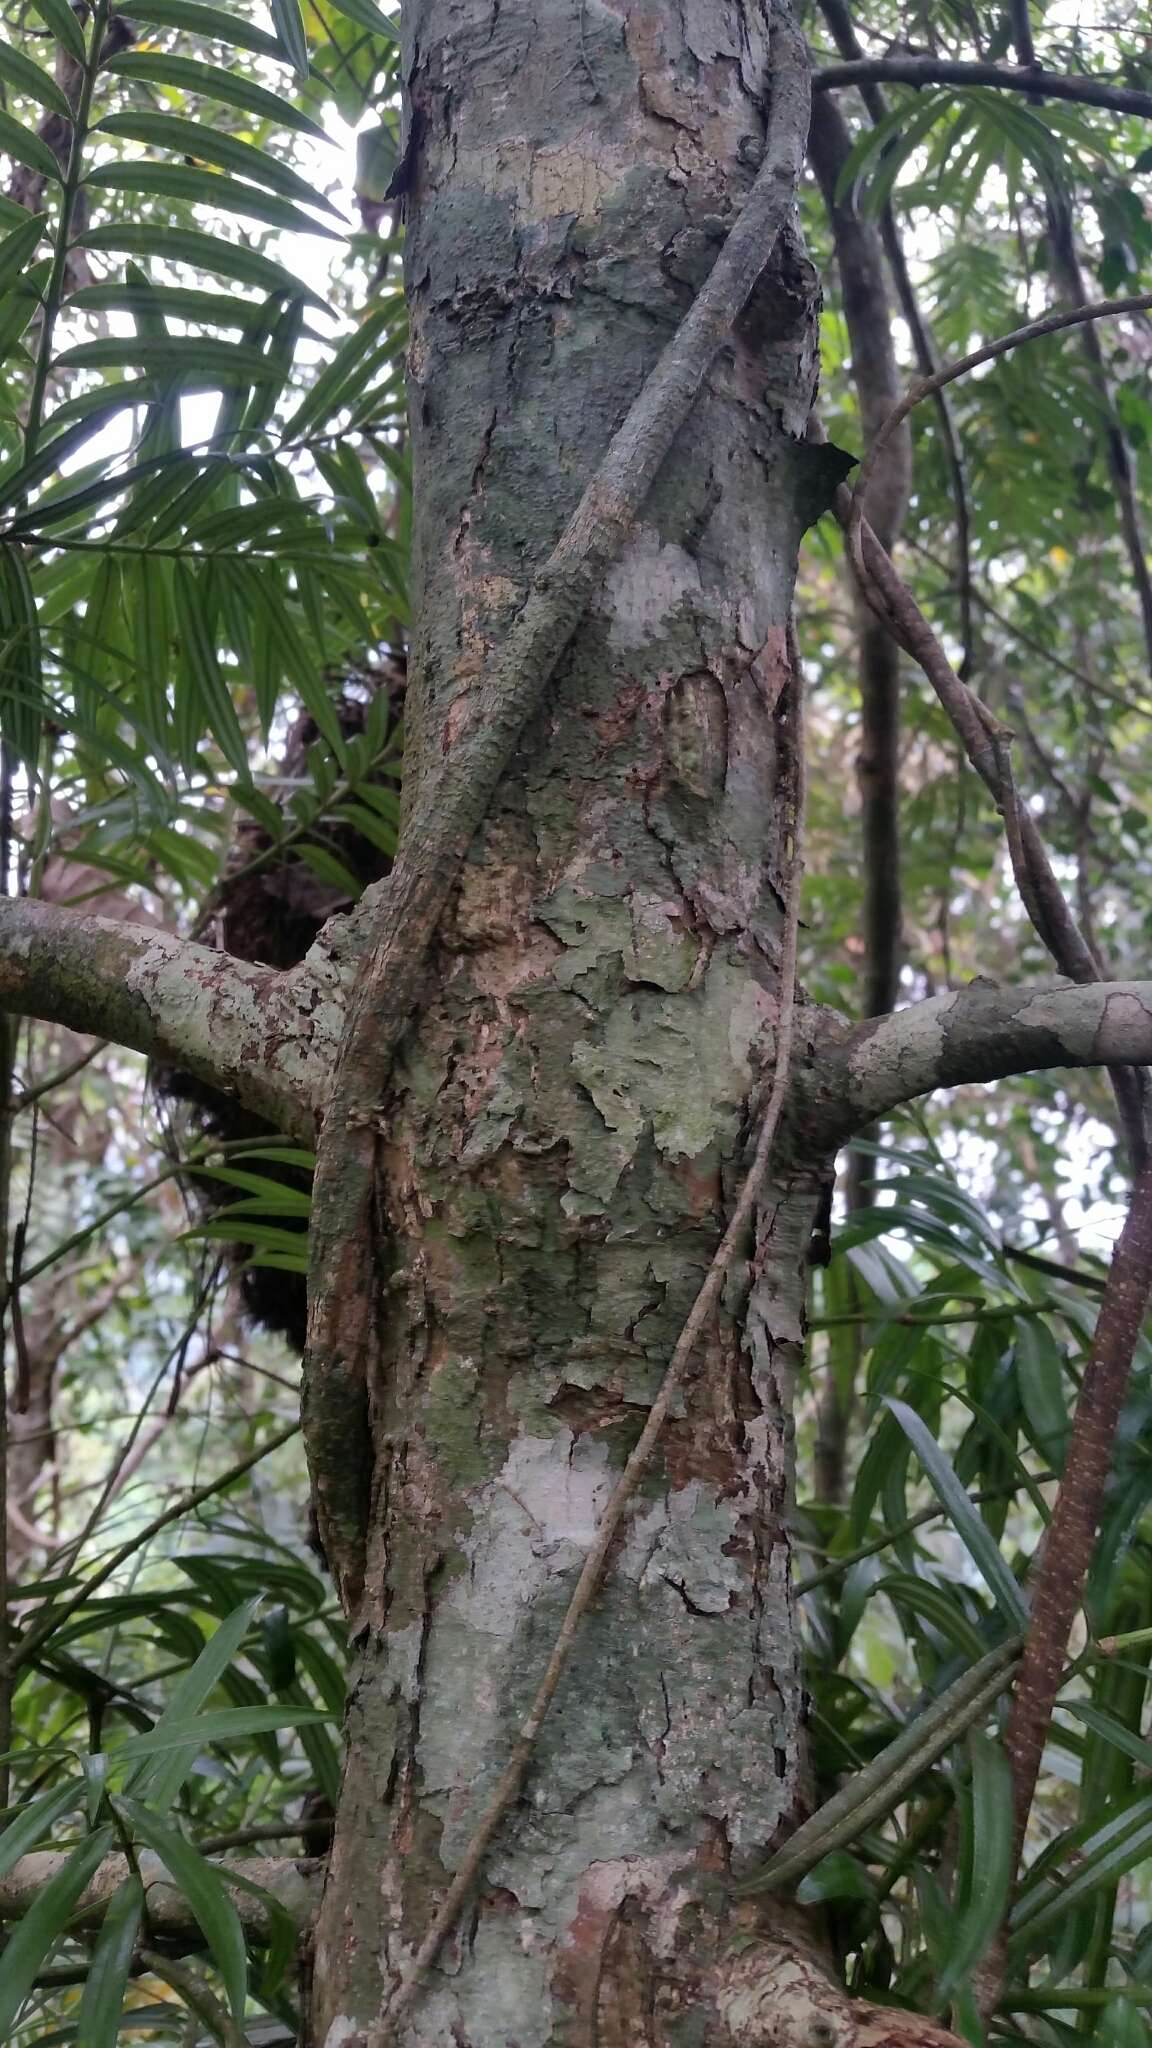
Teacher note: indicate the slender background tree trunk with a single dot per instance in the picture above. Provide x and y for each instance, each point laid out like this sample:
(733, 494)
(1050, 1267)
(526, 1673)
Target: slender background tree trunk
(572, 1112)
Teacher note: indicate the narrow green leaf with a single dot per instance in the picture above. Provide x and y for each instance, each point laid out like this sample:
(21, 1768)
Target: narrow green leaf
(370, 826)
(231, 88)
(206, 188)
(206, 1893)
(18, 247)
(219, 309)
(28, 148)
(1043, 1395)
(973, 1532)
(202, 251)
(201, 672)
(326, 866)
(34, 1937)
(21, 678)
(256, 1184)
(226, 1724)
(158, 1784)
(58, 16)
(26, 77)
(1104, 1851)
(214, 146)
(987, 1858)
(289, 24)
(290, 1243)
(214, 24)
(287, 1155)
(152, 639)
(367, 15)
(102, 2004)
(340, 377)
(1112, 1731)
(228, 360)
(36, 1823)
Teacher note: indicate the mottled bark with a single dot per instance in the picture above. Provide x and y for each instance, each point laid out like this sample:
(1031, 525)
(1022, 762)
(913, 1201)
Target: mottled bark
(979, 1033)
(571, 1111)
(292, 1883)
(267, 1038)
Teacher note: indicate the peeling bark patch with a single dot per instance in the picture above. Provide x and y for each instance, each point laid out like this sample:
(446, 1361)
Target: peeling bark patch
(696, 725)
(780, 1998)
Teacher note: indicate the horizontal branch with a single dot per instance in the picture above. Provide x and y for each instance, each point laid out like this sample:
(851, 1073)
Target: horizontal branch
(1033, 79)
(267, 1038)
(979, 1033)
(293, 1883)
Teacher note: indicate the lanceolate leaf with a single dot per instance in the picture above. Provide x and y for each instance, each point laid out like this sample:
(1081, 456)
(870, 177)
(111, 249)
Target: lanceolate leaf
(290, 32)
(102, 2003)
(35, 1936)
(366, 14)
(27, 147)
(25, 77)
(973, 1532)
(17, 247)
(203, 695)
(37, 1822)
(197, 140)
(206, 188)
(231, 88)
(987, 1858)
(63, 24)
(213, 309)
(211, 23)
(202, 252)
(21, 687)
(228, 360)
(158, 1783)
(205, 1891)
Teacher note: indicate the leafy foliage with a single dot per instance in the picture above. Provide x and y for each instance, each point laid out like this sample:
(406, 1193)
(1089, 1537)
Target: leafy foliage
(204, 531)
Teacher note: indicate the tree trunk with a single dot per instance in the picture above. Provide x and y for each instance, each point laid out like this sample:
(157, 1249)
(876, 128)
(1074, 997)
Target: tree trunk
(571, 1114)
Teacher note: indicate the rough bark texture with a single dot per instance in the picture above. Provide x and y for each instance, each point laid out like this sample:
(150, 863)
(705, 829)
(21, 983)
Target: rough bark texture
(571, 1113)
(978, 1033)
(268, 1038)
(292, 1883)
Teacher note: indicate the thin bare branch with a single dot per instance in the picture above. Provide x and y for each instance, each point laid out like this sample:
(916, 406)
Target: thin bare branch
(920, 71)
(1051, 323)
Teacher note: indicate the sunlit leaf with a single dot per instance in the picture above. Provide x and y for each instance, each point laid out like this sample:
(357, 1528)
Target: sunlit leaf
(197, 141)
(231, 88)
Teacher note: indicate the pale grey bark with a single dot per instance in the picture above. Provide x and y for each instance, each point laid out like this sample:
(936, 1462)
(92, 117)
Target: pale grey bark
(979, 1033)
(267, 1038)
(293, 1883)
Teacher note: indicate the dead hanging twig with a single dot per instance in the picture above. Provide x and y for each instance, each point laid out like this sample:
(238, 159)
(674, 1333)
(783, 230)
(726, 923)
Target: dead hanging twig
(732, 1245)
